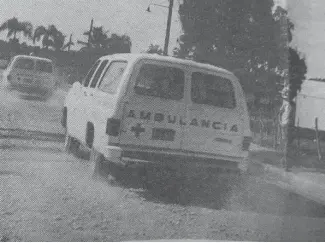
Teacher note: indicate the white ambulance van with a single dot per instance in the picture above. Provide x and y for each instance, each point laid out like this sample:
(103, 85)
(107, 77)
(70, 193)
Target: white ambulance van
(137, 108)
(30, 74)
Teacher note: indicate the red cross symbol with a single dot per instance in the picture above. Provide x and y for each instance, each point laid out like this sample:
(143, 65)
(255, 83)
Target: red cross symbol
(137, 130)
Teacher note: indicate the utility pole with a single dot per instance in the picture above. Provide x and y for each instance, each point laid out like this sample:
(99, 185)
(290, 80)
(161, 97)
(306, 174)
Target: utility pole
(90, 30)
(169, 21)
(70, 41)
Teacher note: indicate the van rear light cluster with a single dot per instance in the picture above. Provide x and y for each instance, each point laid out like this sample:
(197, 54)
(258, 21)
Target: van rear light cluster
(113, 127)
(246, 143)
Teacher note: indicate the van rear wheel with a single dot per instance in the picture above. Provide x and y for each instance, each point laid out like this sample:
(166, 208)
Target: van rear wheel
(71, 145)
(100, 167)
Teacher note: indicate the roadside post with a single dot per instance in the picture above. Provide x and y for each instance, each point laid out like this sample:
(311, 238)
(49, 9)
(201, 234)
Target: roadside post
(317, 140)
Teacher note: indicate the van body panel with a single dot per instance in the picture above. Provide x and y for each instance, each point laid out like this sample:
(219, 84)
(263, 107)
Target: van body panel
(211, 128)
(26, 75)
(150, 120)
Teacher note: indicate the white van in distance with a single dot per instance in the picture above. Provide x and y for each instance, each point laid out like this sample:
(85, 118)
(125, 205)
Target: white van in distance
(131, 108)
(30, 74)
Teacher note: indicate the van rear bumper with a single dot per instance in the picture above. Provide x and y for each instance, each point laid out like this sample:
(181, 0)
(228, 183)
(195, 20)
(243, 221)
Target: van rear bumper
(28, 89)
(128, 156)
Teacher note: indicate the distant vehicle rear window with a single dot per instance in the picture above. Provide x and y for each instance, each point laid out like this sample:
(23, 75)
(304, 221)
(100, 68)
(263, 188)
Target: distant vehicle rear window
(44, 66)
(212, 90)
(24, 63)
(160, 81)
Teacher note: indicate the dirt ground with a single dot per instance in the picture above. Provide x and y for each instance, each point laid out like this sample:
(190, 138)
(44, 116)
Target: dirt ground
(47, 195)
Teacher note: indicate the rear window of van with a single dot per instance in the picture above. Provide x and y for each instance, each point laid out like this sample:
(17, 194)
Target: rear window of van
(44, 66)
(212, 90)
(24, 63)
(160, 81)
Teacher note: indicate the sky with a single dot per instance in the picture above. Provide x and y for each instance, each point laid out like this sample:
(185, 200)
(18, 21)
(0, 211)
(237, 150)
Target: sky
(308, 17)
(129, 17)
(118, 16)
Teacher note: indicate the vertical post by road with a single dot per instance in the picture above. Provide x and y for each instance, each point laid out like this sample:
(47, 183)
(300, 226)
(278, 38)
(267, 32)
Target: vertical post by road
(70, 41)
(170, 11)
(90, 30)
(317, 140)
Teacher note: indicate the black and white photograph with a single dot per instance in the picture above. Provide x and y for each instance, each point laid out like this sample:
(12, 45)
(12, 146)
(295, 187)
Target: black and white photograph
(162, 120)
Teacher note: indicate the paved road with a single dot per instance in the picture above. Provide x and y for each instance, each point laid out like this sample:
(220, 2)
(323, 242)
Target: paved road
(46, 195)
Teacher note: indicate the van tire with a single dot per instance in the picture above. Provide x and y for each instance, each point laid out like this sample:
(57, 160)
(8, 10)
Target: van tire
(64, 117)
(100, 167)
(71, 145)
(90, 135)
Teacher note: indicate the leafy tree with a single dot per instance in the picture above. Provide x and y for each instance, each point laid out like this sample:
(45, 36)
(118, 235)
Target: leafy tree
(155, 49)
(297, 67)
(119, 43)
(107, 44)
(58, 41)
(228, 33)
(13, 26)
(51, 37)
(98, 38)
(237, 35)
(296, 71)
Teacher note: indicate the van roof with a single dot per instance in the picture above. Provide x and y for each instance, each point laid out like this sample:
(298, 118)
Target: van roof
(34, 57)
(135, 57)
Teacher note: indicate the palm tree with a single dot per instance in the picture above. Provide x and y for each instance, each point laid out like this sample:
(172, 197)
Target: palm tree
(13, 26)
(58, 41)
(51, 36)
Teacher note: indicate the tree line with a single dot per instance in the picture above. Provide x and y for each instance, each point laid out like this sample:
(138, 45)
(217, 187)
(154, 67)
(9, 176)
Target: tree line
(52, 37)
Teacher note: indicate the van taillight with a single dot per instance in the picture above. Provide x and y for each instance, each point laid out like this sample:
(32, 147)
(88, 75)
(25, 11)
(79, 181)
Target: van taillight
(9, 77)
(113, 127)
(246, 143)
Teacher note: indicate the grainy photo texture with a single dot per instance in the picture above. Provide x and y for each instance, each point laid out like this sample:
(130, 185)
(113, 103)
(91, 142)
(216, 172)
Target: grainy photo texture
(162, 120)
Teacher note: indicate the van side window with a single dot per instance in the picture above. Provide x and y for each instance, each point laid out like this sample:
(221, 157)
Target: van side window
(212, 90)
(24, 63)
(112, 77)
(90, 73)
(43, 66)
(98, 73)
(160, 81)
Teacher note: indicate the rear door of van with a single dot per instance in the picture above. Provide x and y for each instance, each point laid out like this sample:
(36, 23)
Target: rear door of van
(154, 111)
(44, 77)
(22, 72)
(215, 124)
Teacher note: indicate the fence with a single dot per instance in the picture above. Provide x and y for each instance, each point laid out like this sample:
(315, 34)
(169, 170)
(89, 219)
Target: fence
(266, 130)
